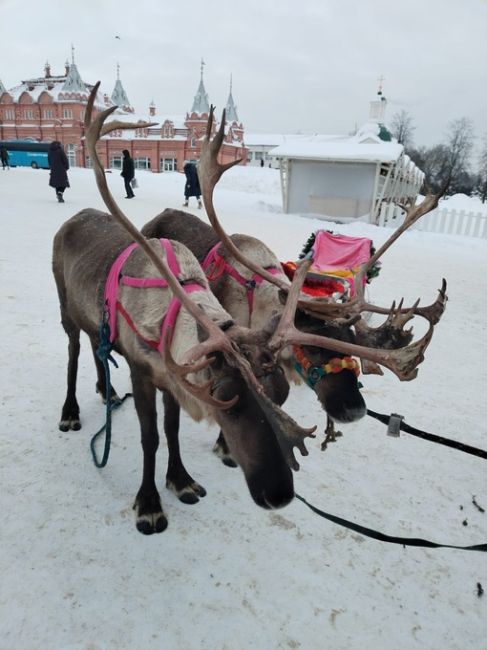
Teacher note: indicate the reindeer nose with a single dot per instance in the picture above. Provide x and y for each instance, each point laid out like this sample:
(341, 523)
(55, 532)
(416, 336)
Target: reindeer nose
(272, 490)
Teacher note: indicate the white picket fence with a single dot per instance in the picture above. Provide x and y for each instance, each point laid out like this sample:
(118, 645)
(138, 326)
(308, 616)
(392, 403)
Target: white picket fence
(444, 220)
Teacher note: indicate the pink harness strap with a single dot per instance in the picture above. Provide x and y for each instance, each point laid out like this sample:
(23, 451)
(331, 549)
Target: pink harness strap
(214, 265)
(114, 280)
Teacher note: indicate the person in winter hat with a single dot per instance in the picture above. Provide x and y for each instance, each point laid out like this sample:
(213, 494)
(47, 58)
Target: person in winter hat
(128, 173)
(58, 162)
(192, 186)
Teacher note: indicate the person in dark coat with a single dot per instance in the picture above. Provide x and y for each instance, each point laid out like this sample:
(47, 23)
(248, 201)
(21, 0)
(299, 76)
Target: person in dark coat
(58, 162)
(128, 173)
(192, 187)
(4, 157)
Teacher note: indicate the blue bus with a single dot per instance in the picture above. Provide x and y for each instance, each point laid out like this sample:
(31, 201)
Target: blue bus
(26, 153)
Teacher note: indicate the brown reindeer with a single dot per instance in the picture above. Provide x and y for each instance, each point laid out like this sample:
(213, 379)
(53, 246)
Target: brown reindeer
(247, 278)
(203, 362)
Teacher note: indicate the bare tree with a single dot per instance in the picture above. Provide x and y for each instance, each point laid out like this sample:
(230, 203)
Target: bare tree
(482, 174)
(446, 166)
(459, 145)
(402, 128)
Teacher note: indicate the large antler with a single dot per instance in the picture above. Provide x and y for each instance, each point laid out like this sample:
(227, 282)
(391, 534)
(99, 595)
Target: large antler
(95, 128)
(288, 432)
(383, 341)
(209, 173)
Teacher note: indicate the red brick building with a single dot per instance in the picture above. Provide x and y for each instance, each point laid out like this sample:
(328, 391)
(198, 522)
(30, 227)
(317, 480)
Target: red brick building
(53, 107)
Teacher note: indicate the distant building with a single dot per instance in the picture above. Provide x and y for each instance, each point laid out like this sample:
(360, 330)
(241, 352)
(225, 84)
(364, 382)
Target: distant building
(347, 177)
(52, 107)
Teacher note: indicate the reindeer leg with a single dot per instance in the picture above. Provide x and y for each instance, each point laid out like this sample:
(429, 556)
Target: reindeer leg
(70, 413)
(178, 480)
(100, 374)
(149, 515)
(220, 448)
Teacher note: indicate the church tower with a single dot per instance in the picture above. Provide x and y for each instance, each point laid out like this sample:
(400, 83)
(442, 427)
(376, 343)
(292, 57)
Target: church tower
(234, 126)
(74, 87)
(196, 119)
(377, 113)
(119, 96)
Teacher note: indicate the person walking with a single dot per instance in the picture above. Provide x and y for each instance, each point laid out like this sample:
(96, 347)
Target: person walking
(4, 157)
(59, 165)
(192, 186)
(128, 173)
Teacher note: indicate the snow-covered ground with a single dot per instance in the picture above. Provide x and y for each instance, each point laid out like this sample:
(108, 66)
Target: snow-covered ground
(75, 573)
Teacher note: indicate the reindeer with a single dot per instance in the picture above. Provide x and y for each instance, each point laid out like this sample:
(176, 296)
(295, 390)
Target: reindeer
(247, 278)
(199, 360)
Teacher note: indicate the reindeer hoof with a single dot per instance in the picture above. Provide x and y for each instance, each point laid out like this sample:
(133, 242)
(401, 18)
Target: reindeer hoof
(72, 424)
(148, 524)
(189, 493)
(149, 516)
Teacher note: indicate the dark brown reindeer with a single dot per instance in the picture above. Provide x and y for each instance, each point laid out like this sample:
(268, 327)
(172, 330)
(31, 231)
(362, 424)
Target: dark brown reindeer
(201, 363)
(236, 267)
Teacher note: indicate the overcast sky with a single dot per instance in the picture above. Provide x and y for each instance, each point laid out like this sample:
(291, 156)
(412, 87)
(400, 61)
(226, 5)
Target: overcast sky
(297, 65)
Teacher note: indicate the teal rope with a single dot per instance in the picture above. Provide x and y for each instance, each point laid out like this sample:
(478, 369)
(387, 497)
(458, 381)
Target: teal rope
(103, 352)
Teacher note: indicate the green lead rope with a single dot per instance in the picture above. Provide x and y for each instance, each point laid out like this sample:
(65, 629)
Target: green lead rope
(103, 352)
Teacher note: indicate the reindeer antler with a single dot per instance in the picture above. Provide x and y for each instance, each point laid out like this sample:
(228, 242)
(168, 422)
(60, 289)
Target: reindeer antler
(286, 428)
(209, 173)
(401, 361)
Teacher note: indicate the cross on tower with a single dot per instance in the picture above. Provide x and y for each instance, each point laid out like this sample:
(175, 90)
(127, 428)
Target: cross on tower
(380, 80)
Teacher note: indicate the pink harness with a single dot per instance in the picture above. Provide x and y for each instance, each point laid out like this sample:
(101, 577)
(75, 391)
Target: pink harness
(214, 266)
(115, 278)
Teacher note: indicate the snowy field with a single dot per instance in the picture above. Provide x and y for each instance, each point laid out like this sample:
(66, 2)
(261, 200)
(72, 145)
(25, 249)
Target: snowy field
(75, 573)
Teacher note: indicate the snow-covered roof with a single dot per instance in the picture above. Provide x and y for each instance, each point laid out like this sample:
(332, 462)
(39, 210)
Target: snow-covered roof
(74, 83)
(55, 87)
(119, 96)
(364, 146)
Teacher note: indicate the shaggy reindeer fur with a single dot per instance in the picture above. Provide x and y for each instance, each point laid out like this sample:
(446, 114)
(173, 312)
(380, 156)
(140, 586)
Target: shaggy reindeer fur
(84, 250)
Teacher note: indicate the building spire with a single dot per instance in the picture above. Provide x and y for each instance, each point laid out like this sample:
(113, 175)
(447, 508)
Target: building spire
(119, 96)
(231, 109)
(73, 83)
(200, 101)
(2, 88)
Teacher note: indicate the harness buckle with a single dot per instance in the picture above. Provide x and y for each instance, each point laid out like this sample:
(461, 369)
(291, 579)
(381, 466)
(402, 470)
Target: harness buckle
(250, 284)
(394, 425)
